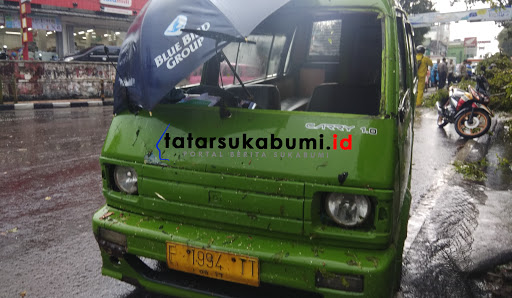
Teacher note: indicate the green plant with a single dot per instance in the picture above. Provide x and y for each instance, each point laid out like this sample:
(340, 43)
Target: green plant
(437, 96)
(499, 75)
(472, 170)
(463, 84)
(503, 162)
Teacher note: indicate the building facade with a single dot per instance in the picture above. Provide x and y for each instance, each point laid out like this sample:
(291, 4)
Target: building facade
(65, 27)
(456, 49)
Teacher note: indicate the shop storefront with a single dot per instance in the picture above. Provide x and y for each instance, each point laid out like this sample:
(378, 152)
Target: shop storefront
(44, 31)
(62, 28)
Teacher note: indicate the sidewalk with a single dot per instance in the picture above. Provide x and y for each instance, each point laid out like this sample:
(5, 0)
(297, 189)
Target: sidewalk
(56, 103)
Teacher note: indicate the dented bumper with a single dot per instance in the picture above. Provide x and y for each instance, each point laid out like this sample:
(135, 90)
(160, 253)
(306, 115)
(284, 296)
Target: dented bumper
(304, 267)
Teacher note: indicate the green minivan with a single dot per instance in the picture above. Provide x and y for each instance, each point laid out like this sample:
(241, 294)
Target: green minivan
(304, 190)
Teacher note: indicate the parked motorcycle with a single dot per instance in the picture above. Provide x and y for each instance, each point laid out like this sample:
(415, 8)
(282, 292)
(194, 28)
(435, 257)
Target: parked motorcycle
(467, 110)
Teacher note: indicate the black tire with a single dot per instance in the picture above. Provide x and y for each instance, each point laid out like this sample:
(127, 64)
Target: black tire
(475, 129)
(441, 121)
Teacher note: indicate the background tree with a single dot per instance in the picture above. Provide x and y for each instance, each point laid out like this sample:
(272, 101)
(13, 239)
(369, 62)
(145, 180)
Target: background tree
(505, 39)
(499, 75)
(414, 7)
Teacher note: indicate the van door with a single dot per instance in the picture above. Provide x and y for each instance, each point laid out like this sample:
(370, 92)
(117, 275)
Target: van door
(405, 107)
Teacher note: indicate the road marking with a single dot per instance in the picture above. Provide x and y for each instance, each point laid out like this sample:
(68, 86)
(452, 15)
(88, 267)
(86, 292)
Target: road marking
(61, 104)
(24, 106)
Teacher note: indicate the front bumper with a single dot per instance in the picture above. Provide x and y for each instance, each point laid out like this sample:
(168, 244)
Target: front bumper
(295, 267)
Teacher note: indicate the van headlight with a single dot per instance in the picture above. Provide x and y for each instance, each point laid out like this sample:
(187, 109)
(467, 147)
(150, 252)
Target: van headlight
(126, 179)
(347, 210)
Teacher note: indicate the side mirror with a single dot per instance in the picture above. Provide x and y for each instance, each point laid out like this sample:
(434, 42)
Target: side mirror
(105, 48)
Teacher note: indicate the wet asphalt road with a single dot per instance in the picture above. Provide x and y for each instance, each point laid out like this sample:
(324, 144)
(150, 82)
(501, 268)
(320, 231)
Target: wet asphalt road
(457, 229)
(50, 185)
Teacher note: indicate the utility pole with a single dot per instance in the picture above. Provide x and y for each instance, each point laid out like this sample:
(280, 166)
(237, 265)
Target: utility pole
(26, 26)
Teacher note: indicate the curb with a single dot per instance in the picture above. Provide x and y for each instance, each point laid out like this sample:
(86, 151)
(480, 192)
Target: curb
(54, 105)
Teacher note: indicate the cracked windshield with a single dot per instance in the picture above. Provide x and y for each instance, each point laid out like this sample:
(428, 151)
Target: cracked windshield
(272, 148)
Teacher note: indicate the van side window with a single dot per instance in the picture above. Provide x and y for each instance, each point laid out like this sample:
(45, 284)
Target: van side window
(347, 64)
(401, 52)
(325, 39)
(410, 41)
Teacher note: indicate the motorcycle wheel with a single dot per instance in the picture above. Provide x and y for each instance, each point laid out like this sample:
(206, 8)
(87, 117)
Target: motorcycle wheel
(441, 121)
(479, 126)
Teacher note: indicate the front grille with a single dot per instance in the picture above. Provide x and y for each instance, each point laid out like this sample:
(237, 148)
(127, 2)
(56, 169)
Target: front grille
(199, 284)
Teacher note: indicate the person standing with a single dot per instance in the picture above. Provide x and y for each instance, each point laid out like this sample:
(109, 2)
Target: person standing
(443, 73)
(434, 74)
(432, 80)
(463, 70)
(451, 73)
(469, 69)
(423, 63)
(427, 79)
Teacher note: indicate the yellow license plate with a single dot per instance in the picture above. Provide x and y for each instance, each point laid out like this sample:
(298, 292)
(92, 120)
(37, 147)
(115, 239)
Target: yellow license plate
(215, 264)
